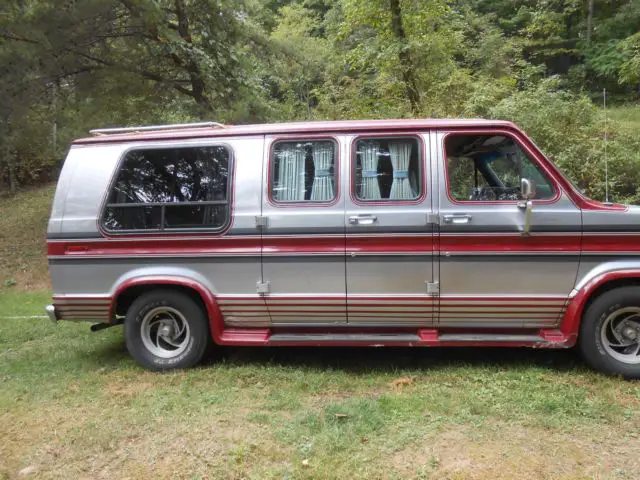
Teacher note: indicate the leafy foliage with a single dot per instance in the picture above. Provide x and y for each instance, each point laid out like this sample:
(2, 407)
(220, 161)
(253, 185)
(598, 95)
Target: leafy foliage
(68, 66)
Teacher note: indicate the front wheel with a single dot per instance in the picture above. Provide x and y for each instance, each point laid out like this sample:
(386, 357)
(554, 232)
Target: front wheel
(610, 332)
(165, 329)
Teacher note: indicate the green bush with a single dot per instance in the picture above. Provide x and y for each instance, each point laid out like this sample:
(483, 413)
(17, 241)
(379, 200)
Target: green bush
(570, 130)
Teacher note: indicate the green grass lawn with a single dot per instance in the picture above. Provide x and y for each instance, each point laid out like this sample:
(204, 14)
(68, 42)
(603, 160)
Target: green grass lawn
(73, 404)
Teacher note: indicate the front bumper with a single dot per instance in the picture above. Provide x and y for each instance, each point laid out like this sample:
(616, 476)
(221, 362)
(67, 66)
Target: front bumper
(51, 313)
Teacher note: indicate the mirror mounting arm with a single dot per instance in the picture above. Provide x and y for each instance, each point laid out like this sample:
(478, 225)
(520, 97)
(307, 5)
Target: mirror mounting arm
(528, 193)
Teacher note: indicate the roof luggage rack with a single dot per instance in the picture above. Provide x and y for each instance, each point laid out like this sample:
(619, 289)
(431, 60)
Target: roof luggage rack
(154, 128)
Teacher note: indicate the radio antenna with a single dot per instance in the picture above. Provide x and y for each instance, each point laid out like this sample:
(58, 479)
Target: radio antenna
(606, 160)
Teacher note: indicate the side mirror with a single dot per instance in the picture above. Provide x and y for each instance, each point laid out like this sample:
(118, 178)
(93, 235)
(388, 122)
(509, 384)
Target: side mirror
(527, 189)
(528, 193)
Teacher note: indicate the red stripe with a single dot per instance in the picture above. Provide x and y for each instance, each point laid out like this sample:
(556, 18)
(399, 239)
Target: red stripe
(611, 243)
(335, 244)
(510, 243)
(157, 246)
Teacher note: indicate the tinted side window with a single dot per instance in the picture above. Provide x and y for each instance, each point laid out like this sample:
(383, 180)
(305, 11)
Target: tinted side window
(490, 168)
(388, 169)
(170, 188)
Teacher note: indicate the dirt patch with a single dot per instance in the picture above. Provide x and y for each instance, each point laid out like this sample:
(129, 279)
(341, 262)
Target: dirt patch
(482, 453)
(126, 389)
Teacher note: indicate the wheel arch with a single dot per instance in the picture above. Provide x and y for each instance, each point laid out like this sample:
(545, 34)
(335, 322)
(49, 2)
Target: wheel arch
(127, 290)
(591, 288)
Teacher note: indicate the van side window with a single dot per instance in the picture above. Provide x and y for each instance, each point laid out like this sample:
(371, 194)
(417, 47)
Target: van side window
(490, 168)
(303, 170)
(388, 169)
(170, 188)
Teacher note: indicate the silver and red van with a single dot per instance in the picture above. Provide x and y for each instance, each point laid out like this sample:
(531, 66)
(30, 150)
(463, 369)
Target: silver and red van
(369, 233)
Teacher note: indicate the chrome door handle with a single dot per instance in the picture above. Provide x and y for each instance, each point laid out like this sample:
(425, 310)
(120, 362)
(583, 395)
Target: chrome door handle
(457, 219)
(362, 219)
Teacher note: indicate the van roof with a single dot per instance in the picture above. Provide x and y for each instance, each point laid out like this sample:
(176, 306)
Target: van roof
(316, 127)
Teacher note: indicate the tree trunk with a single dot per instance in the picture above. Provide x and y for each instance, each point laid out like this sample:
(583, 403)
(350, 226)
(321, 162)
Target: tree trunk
(54, 120)
(11, 175)
(406, 64)
(589, 21)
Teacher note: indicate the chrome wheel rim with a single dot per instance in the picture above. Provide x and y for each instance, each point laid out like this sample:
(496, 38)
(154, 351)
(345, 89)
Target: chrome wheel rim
(620, 335)
(165, 332)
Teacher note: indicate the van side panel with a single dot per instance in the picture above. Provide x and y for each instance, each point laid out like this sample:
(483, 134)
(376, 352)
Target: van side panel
(88, 265)
(64, 183)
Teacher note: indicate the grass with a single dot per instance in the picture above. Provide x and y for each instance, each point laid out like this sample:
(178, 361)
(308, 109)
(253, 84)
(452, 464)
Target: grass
(627, 117)
(23, 220)
(73, 403)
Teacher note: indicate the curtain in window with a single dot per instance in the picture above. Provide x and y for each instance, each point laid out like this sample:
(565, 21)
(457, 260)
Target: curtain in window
(323, 188)
(400, 153)
(291, 174)
(369, 159)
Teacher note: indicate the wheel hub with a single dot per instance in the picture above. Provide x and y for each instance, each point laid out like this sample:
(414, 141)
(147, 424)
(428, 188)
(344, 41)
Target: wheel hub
(165, 332)
(620, 335)
(629, 333)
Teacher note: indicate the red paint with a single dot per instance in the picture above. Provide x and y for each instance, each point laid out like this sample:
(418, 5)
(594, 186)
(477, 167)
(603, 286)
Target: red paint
(216, 322)
(511, 243)
(244, 336)
(610, 242)
(421, 244)
(303, 203)
(307, 244)
(570, 324)
(170, 246)
(550, 338)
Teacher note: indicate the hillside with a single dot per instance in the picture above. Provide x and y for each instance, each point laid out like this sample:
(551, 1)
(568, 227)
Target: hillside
(23, 220)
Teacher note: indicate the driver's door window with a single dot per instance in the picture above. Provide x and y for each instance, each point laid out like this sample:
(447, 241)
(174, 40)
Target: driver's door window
(490, 168)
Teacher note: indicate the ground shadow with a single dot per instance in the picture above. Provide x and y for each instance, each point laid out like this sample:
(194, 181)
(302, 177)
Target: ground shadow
(390, 359)
(363, 359)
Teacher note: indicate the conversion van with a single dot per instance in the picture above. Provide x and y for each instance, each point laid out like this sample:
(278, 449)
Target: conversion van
(367, 233)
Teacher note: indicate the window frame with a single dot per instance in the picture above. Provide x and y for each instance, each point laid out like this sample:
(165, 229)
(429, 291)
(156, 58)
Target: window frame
(421, 166)
(169, 231)
(271, 171)
(531, 155)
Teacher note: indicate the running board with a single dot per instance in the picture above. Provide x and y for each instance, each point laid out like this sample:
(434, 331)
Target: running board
(426, 337)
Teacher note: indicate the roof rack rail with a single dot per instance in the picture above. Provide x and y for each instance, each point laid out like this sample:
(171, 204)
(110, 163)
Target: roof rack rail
(154, 128)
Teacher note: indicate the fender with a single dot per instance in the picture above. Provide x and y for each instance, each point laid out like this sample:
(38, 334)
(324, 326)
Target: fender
(216, 322)
(590, 283)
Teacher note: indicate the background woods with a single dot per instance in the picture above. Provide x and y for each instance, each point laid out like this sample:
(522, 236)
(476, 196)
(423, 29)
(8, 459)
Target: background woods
(67, 66)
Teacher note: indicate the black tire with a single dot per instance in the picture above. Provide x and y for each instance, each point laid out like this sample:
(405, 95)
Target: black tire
(594, 320)
(197, 340)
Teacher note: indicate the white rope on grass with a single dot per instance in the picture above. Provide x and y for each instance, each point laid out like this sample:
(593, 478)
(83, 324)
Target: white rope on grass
(23, 317)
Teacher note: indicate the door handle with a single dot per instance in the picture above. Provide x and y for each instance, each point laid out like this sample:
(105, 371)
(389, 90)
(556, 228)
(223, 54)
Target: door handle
(362, 219)
(457, 219)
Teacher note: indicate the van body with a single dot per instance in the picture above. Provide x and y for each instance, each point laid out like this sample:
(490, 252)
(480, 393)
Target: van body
(368, 233)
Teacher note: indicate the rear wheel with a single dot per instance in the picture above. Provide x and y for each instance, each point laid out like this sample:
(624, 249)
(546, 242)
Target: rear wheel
(165, 329)
(610, 332)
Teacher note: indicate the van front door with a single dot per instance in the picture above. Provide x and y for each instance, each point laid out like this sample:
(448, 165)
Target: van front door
(389, 239)
(493, 272)
(303, 254)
